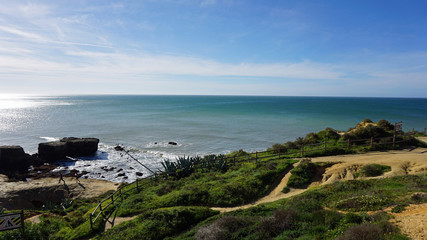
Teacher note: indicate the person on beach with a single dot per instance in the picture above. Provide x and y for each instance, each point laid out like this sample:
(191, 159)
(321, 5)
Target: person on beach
(61, 178)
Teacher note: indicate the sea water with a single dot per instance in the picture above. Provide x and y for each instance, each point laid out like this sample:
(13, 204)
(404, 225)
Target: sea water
(199, 125)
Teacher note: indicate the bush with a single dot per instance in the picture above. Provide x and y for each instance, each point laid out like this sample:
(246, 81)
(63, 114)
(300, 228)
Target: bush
(373, 170)
(159, 223)
(363, 232)
(399, 208)
(386, 125)
(302, 175)
(286, 190)
(278, 148)
(328, 134)
(363, 203)
(224, 228)
(311, 138)
(280, 221)
(291, 145)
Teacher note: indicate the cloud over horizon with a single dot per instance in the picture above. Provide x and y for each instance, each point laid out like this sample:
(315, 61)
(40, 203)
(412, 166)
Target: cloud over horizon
(147, 48)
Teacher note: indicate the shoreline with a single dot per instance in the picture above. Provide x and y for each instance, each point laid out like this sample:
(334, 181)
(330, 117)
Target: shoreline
(24, 193)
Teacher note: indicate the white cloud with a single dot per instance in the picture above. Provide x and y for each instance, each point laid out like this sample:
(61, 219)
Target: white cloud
(28, 35)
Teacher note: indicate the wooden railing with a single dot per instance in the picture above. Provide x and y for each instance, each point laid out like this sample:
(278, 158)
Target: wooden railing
(302, 151)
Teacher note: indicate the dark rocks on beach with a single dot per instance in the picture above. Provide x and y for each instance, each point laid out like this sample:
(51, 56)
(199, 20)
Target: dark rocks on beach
(121, 175)
(13, 158)
(52, 151)
(70, 146)
(173, 143)
(76, 147)
(138, 174)
(121, 169)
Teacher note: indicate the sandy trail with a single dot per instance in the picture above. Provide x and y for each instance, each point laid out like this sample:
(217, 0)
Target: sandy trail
(413, 221)
(346, 167)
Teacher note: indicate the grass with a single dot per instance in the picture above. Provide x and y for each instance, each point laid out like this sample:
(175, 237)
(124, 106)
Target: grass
(239, 185)
(304, 216)
(176, 207)
(159, 223)
(373, 170)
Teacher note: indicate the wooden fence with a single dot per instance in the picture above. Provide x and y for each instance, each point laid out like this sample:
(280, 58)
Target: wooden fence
(12, 221)
(302, 151)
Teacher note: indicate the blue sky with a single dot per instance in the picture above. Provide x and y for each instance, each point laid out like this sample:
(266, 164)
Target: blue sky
(215, 47)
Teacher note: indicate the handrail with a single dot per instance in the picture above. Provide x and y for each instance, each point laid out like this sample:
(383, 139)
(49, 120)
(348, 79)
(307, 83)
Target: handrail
(232, 160)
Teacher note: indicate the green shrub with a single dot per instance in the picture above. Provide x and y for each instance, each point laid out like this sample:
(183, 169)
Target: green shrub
(278, 148)
(228, 227)
(302, 175)
(399, 208)
(286, 189)
(363, 203)
(280, 221)
(363, 232)
(159, 223)
(386, 125)
(311, 138)
(328, 134)
(373, 170)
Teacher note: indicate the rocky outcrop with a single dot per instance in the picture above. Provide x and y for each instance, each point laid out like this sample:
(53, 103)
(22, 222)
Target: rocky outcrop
(70, 146)
(77, 147)
(13, 158)
(52, 151)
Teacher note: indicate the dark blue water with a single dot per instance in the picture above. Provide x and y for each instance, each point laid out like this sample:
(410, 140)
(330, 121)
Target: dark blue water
(199, 124)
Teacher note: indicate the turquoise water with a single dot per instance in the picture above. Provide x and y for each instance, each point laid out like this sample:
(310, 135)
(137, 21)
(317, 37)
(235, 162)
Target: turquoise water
(199, 124)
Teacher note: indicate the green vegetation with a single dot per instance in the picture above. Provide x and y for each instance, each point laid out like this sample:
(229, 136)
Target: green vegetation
(302, 175)
(176, 205)
(159, 223)
(314, 215)
(373, 170)
(241, 184)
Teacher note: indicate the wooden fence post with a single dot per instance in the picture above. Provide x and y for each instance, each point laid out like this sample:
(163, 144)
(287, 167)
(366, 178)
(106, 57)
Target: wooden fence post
(90, 219)
(372, 141)
(348, 144)
(22, 224)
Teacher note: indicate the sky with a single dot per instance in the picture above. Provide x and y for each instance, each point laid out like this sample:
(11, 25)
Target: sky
(362, 48)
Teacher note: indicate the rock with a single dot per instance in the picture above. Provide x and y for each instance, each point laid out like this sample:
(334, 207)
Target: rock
(173, 143)
(52, 151)
(121, 169)
(80, 146)
(121, 175)
(138, 173)
(13, 158)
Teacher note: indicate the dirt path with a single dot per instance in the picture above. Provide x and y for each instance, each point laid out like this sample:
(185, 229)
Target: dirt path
(346, 167)
(413, 221)
(274, 195)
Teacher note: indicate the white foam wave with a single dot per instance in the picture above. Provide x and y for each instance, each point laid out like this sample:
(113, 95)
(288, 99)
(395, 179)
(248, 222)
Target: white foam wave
(50, 139)
(109, 164)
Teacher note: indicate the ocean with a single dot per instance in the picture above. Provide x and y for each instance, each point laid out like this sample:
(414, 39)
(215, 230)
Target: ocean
(199, 125)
